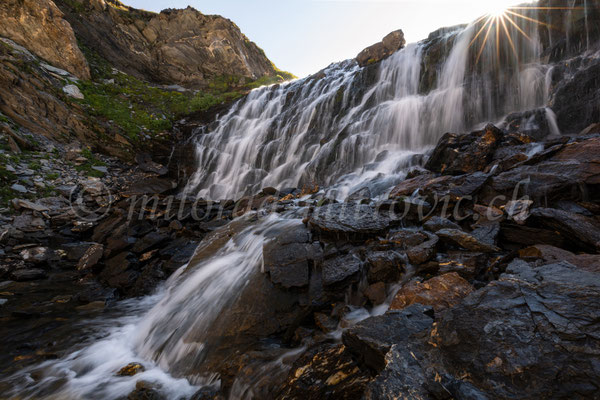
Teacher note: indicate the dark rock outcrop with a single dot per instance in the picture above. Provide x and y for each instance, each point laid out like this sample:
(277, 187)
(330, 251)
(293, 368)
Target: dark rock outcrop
(393, 42)
(371, 339)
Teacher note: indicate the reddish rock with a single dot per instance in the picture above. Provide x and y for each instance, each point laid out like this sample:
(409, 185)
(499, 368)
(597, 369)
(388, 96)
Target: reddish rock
(441, 292)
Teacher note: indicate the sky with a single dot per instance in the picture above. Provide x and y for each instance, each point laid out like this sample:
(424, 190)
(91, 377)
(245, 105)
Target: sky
(305, 36)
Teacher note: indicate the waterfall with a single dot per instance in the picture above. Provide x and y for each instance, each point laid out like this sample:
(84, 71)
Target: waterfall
(347, 127)
(344, 128)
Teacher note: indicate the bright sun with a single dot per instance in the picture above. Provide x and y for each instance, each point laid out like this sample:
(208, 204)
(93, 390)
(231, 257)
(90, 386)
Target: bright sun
(497, 9)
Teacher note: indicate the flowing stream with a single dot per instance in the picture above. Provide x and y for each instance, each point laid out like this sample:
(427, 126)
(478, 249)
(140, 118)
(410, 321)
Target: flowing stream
(345, 128)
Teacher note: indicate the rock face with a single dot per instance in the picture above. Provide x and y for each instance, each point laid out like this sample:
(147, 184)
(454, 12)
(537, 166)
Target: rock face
(39, 25)
(183, 47)
(393, 42)
(534, 331)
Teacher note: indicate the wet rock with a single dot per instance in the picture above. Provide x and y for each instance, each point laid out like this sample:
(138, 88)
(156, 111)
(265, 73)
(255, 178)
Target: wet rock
(561, 177)
(436, 189)
(325, 371)
(460, 154)
(465, 240)
(118, 271)
(581, 232)
(376, 293)
(423, 252)
(348, 219)
(289, 256)
(384, 266)
(466, 264)
(550, 255)
(149, 241)
(436, 223)
(406, 238)
(91, 257)
(440, 292)
(207, 393)
(340, 269)
(534, 331)
(360, 196)
(393, 42)
(22, 275)
(372, 338)
(97, 305)
(146, 391)
(131, 369)
(486, 232)
(325, 322)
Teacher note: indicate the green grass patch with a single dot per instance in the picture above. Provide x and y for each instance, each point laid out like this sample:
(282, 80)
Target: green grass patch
(135, 106)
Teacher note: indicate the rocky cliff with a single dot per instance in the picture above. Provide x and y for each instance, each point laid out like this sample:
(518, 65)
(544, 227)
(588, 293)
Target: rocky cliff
(95, 72)
(39, 25)
(182, 47)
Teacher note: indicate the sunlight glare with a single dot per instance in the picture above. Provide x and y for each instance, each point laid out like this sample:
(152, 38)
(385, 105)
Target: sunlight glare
(497, 9)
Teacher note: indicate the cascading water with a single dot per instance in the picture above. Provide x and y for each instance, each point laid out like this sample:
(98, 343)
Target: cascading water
(175, 325)
(344, 128)
(341, 131)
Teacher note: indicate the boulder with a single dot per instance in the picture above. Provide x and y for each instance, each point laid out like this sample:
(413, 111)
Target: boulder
(460, 154)
(289, 256)
(349, 220)
(391, 43)
(441, 292)
(371, 339)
